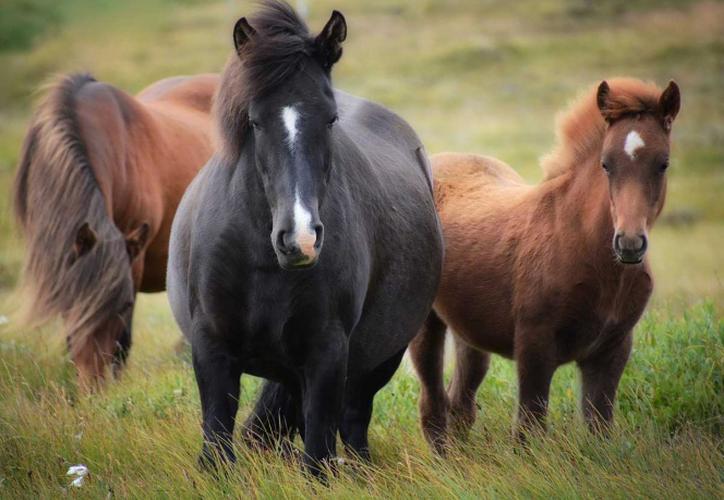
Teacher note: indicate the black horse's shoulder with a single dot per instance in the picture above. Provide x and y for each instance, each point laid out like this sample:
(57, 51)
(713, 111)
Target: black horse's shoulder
(358, 113)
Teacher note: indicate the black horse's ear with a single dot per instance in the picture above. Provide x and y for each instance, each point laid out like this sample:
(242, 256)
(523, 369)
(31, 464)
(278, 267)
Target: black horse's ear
(669, 103)
(602, 99)
(243, 32)
(329, 41)
(136, 240)
(85, 240)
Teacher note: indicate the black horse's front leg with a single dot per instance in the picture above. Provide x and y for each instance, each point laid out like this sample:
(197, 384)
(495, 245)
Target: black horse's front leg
(323, 392)
(217, 375)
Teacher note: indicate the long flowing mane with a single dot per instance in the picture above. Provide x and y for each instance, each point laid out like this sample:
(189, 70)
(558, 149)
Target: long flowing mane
(281, 47)
(55, 193)
(581, 128)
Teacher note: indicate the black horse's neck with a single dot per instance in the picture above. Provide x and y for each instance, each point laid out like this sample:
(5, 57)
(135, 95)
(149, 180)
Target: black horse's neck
(247, 187)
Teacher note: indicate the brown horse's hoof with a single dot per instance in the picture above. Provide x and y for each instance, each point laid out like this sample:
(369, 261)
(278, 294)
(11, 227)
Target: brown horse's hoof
(437, 438)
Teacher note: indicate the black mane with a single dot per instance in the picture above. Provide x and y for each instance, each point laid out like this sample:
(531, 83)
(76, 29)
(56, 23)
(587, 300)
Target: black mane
(281, 47)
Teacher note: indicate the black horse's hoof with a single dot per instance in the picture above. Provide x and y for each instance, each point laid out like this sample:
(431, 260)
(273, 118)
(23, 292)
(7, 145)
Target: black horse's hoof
(209, 459)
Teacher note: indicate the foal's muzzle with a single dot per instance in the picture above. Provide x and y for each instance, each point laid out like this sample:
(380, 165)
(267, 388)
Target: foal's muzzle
(630, 249)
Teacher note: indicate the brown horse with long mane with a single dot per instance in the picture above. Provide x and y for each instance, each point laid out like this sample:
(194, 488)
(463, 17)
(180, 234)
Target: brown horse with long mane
(552, 273)
(100, 176)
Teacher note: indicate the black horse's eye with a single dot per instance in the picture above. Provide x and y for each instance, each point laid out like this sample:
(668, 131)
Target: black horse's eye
(664, 166)
(332, 121)
(254, 124)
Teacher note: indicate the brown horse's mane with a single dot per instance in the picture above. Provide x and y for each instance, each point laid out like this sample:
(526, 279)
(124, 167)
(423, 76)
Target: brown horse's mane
(581, 128)
(281, 47)
(55, 193)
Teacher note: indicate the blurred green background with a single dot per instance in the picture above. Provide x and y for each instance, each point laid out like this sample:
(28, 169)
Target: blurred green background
(470, 75)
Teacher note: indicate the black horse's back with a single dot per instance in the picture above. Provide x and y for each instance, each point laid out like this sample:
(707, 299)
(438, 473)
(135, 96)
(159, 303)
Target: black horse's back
(308, 251)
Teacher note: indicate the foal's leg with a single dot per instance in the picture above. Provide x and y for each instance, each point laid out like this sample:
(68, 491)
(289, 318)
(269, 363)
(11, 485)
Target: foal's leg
(217, 375)
(601, 374)
(470, 368)
(324, 373)
(535, 364)
(274, 419)
(358, 406)
(427, 352)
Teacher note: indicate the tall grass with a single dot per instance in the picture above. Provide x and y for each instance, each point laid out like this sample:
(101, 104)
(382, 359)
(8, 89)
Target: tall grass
(141, 436)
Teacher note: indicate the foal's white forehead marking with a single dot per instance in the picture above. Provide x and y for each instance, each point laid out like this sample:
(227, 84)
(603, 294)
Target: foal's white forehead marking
(633, 143)
(304, 234)
(290, 116)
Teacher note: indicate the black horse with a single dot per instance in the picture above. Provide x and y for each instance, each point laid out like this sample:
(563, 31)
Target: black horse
(307, 251)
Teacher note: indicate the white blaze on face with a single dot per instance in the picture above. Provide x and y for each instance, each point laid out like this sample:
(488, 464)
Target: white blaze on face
(290, 116)
(633, 143)
(304, 234)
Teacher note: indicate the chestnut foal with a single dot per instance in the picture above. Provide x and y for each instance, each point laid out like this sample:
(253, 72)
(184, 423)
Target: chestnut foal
(552, 273)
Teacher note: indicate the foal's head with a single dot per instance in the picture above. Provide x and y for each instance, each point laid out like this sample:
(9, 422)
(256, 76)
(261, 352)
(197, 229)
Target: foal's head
(635, 157)
(291, 113)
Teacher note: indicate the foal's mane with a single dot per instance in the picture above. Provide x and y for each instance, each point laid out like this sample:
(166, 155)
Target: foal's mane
(281, 47)
(55, 192)
(581, 128)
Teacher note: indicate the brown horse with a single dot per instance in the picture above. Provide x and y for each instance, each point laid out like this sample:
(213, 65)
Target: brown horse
(100, 176)
(552, 273)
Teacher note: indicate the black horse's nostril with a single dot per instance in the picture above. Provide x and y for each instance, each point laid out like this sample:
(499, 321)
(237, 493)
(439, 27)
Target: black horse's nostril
(319, 230)
(285, 244)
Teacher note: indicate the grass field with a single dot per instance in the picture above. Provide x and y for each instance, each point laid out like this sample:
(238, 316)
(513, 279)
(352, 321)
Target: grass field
(470, 75)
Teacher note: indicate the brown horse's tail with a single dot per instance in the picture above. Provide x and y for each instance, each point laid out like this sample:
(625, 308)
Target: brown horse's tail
(71, 272)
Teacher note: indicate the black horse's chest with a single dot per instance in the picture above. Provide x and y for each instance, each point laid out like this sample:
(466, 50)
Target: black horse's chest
(250, 299)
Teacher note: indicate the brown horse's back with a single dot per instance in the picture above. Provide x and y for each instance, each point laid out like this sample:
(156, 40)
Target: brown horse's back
(188, 91)
(161, 139)
(480, 196)
(181, 109)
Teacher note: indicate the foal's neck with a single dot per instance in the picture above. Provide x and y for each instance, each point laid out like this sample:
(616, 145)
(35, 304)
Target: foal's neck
(586, 197)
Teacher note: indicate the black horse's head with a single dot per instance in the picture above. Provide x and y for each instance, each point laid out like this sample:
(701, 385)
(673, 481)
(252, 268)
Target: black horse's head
(291, 113)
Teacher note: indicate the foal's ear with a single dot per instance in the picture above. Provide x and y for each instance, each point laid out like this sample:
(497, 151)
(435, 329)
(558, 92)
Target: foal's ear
(136, 240)
(602, 99)
(669, 103)
(329, 41)
(85, 240)
(243, 32)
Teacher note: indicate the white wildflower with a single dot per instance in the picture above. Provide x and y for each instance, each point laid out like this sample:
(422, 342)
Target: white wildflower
(81, 471)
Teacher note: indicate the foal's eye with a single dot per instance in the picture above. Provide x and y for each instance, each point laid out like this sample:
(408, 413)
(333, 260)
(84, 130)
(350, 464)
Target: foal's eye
(605, 168)
(664, 166)
(332, 121)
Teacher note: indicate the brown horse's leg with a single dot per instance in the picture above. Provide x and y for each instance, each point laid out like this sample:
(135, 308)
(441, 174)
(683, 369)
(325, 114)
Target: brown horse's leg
(601, 374)
(470, 368)
(427, 352)
(535, 367)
